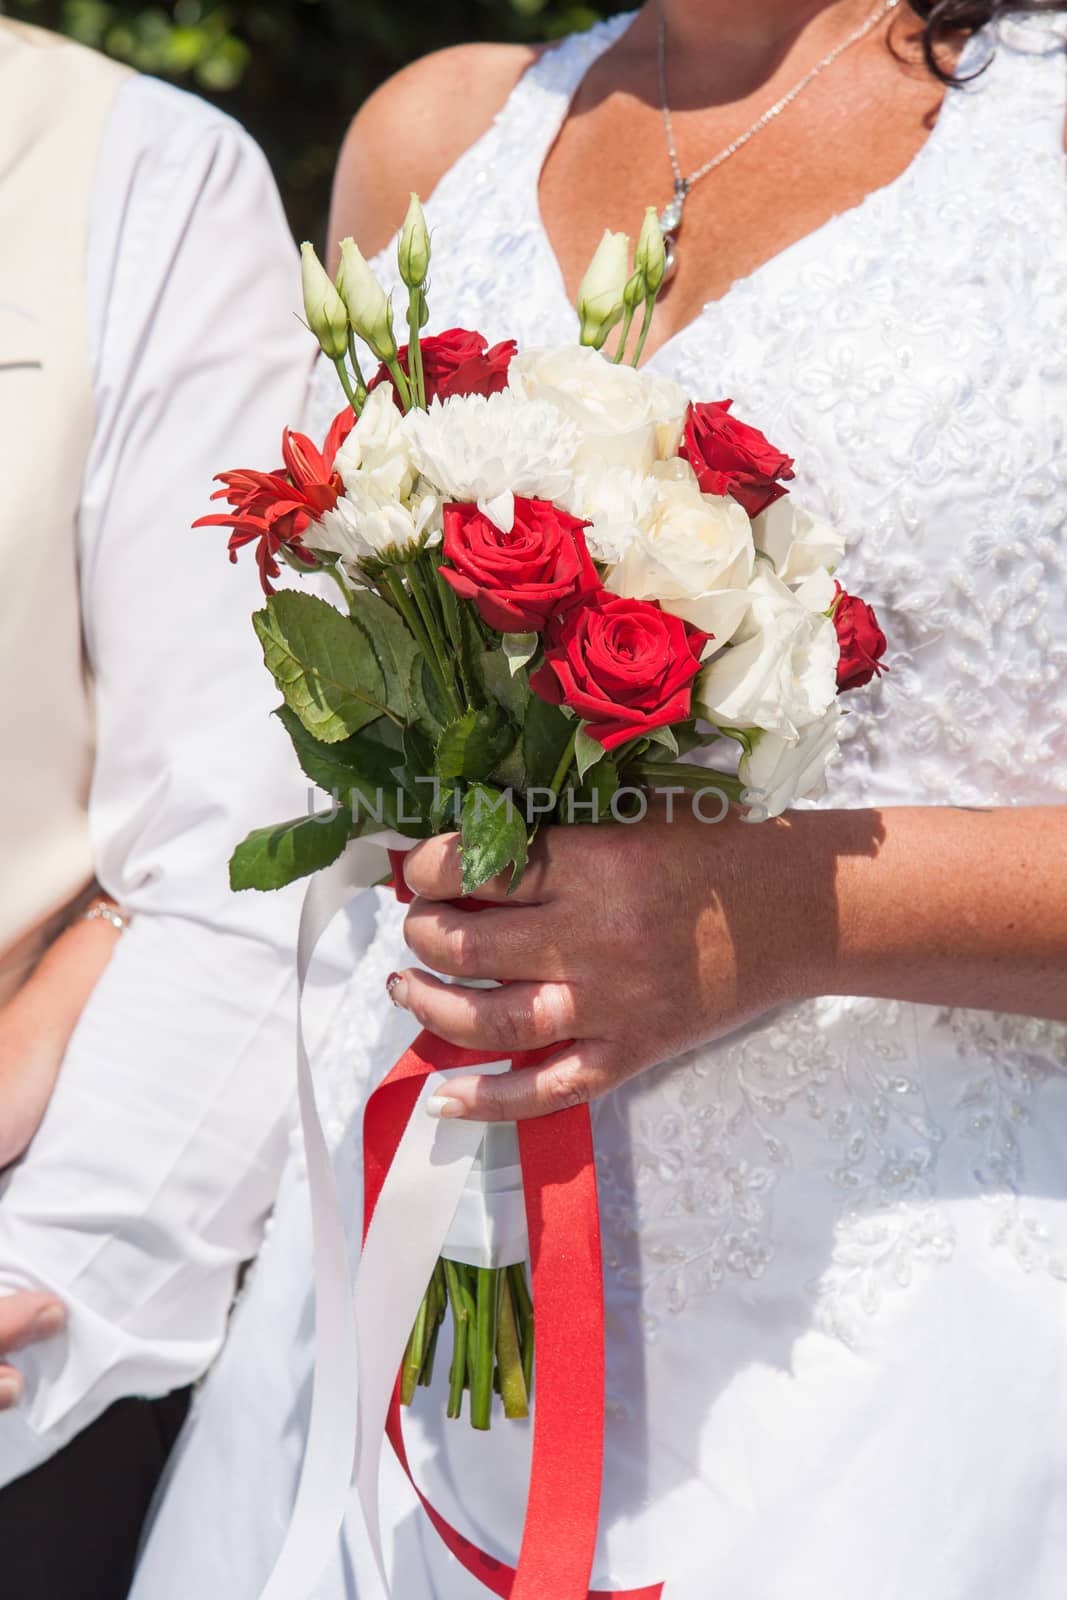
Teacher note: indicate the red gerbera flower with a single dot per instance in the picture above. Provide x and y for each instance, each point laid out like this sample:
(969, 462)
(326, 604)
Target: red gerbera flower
(274, 509)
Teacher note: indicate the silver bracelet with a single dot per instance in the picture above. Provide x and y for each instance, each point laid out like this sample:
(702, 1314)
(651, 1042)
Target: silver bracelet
(104, 911)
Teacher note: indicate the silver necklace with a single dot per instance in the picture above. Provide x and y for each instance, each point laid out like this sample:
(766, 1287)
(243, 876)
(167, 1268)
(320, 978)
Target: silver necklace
(670, 219)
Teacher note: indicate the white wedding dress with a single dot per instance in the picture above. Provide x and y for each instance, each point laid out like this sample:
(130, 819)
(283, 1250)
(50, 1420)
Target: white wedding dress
(835, 1244)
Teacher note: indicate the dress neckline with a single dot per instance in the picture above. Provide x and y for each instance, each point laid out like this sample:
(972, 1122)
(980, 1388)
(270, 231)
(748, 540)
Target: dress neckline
(595, 43)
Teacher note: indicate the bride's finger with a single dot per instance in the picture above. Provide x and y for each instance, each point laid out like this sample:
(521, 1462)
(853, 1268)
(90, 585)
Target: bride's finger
(578, 1074)
(513, 942)
(29, 1316)
(433, 870)
(522, 1016)
(10, 1388)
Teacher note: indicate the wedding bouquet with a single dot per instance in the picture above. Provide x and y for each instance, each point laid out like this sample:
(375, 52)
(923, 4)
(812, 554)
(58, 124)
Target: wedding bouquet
(563, 584)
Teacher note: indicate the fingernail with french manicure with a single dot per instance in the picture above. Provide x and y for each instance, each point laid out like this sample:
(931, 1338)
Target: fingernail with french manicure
(396, 986)
(10, 1393)
(440, 1105)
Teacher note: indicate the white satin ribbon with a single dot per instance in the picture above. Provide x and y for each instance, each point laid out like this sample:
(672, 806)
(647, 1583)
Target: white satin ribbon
(360, 1339)
(326, 1474)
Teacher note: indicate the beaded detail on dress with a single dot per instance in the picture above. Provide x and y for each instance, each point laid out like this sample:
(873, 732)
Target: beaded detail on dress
(912, 355)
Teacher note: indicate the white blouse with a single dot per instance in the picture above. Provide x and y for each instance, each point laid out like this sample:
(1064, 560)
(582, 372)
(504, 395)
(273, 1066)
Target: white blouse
(152, 1174)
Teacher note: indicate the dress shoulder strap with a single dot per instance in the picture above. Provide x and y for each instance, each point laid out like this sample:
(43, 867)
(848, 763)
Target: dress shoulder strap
(536, 108)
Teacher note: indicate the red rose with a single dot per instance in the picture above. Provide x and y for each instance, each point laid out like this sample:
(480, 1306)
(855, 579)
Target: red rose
(729, 457)
(861, 640)
(624, 666)
(518, 580)
(456, 362)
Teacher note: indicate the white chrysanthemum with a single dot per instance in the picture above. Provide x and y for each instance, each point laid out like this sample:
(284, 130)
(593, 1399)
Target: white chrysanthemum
(615, 503)
(486, 449)
(627, 418)
(692, 552)
(780, 674)
(368, 526)
(780, 771)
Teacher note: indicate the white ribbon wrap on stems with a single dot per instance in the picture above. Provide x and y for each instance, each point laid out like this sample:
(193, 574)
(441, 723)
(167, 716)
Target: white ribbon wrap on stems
(437, 1182)
(489, 1226)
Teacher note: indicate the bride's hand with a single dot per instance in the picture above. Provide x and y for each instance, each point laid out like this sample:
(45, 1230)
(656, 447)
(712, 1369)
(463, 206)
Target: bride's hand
(632, 942)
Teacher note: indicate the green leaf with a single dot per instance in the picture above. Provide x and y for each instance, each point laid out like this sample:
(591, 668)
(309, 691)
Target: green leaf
(519, 648)
(396, 650)
(272, 857)
(545, 734)
(429, 717)
(664, 738)
(510, 773)
(365, 770)
(493, 837)
(587, 751)
(471, 745)
(510, 692)
(324, 665)
(591, 802)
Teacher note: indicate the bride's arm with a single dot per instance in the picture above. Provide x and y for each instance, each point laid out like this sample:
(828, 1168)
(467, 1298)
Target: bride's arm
(641, 941)
(411, 130)
(36, 1025)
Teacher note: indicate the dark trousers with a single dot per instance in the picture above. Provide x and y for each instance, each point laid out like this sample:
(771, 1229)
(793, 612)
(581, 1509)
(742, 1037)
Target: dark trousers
(70, 1530)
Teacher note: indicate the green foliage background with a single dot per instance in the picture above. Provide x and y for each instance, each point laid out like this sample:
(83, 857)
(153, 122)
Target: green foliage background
(294, 71)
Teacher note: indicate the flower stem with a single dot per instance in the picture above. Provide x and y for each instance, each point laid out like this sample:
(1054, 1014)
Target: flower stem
(415, 1352)
(361, 385)
(650, 308)
(341, 584)
(564, 763)
(346, 384)
(624, 334)
(403, 387)
(431, 623)
(509, 1356)
(488, 1297)
(457, 1373)
(411, 615)
(418, 377)
(520, 1291)
(454, 627)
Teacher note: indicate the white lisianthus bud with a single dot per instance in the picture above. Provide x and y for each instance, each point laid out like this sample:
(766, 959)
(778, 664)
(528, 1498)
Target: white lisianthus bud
(650, 257)
(600, 296)
(370, 310)
(413, 252)
(634, 292)
(323, 306)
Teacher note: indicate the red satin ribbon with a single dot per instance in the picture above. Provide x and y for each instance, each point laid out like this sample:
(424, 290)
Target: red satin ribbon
(563, 1220)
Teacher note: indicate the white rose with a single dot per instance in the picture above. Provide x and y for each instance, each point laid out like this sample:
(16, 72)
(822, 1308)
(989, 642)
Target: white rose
(376, 456)
(625, 418)
(780, 673)
(691, 551)
(798, 543)
(486, 449)
(780, 771)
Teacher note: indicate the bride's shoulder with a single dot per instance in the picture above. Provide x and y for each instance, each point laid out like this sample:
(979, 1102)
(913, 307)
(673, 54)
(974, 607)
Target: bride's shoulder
(413, 128)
